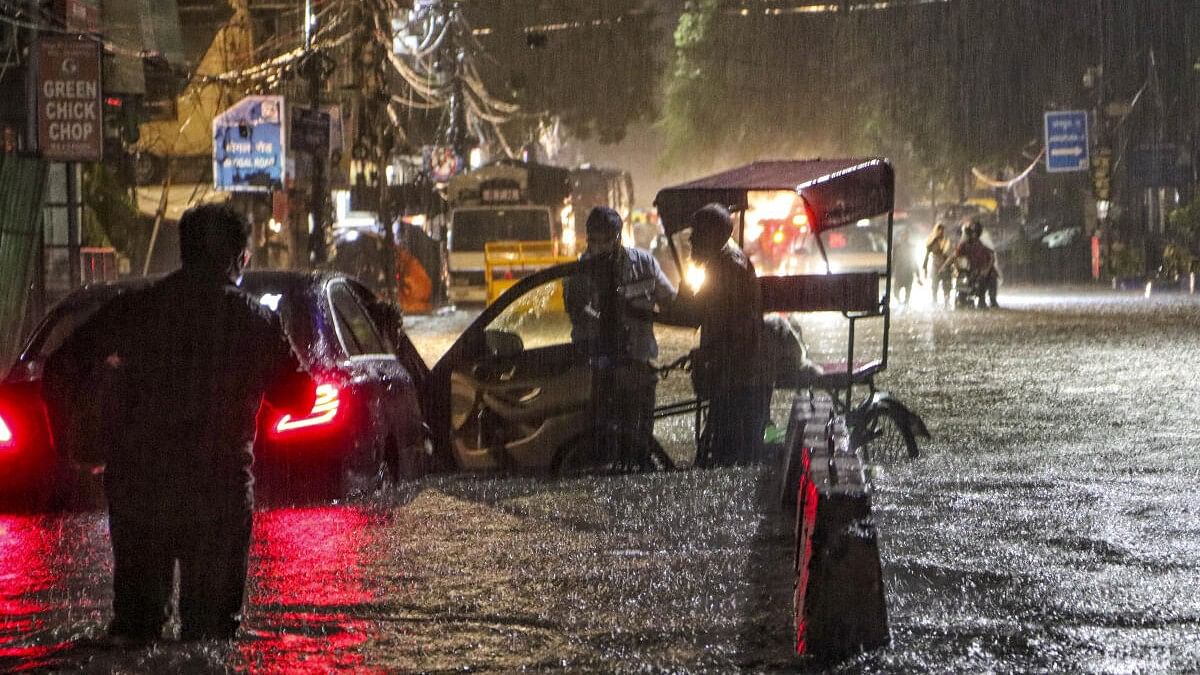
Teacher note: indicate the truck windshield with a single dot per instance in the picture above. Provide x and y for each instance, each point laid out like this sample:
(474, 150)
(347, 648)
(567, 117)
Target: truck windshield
(472, 229)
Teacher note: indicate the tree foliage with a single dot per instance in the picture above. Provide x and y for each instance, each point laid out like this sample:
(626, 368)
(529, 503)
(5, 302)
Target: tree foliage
(110, 217)
(938, 87)
(594, 66)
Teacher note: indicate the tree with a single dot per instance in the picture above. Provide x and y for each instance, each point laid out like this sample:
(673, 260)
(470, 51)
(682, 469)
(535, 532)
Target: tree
(594, 66)
(939, 87)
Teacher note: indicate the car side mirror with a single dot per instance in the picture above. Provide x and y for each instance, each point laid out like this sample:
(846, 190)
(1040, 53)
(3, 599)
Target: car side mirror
(503, 344)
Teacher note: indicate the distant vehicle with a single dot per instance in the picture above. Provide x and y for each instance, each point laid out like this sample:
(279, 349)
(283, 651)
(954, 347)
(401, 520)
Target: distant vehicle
(783, 250)
(593, 186)
(364, 430)
(362, 254)
(473, 228)
(519, 202)
(506, 201)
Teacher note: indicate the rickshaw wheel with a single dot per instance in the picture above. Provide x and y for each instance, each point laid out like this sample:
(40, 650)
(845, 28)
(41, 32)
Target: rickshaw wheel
(578, 458)
(885, 439)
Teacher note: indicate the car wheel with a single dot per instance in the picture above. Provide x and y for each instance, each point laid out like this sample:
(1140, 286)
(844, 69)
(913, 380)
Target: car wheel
(393, 467)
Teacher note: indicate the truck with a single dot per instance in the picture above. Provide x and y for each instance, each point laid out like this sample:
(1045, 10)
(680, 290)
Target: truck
(593, 186)
(511, 218)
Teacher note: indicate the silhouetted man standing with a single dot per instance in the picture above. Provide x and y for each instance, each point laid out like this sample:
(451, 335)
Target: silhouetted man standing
(189, 360)
(725, 370)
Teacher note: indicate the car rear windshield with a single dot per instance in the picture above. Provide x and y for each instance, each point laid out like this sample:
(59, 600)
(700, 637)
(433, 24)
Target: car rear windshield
(65, 319)
(59, 325)
(472, 229)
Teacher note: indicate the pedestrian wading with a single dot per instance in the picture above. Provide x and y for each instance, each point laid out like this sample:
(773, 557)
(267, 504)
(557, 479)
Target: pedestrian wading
(184, 365)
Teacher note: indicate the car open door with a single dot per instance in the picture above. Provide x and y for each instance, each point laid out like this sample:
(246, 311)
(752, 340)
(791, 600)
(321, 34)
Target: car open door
(514, 388)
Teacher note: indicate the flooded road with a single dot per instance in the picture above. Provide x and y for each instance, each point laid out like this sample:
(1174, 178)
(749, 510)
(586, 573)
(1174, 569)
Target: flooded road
(1052, 524)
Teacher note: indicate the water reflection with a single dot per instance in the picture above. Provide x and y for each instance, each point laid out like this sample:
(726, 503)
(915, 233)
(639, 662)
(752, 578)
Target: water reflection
(27, 582)
(307, 595)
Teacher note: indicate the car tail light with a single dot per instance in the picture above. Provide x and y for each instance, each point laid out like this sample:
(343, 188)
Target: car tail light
(324, 412)
(7, 440)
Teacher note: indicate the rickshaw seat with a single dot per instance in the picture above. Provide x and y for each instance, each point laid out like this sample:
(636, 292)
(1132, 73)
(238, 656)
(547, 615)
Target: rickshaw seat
(842, 292)
(836, 376)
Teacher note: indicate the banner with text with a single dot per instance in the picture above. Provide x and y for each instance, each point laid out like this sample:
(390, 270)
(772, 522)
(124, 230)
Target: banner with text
(250, 145)
(67, 95)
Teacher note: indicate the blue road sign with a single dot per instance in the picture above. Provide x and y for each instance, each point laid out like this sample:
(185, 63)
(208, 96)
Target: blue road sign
(249, 149)
(1066, 141)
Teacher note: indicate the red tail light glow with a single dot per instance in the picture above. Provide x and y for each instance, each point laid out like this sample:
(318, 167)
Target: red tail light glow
(6, 435)
(324, 412)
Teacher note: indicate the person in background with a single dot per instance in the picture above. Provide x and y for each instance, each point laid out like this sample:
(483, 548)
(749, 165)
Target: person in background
(903, 267)
(978, 260)
(937, 252)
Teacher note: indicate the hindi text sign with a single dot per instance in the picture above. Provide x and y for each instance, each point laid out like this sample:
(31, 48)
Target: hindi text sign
(1066, 141)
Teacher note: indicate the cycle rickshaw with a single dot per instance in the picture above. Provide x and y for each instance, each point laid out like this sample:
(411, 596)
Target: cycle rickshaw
(796, 220)
(790, 216)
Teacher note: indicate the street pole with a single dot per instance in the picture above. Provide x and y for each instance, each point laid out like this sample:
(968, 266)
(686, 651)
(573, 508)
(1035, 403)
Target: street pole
(71, 169)
(385, 219)
(458, 135)
(316, 239)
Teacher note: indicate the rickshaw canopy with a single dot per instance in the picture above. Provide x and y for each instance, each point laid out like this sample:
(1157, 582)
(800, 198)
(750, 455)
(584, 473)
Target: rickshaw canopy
(838, 192)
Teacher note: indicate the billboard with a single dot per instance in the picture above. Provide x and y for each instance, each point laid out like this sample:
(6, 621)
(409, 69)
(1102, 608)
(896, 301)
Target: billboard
(67, 95)
(250, 145)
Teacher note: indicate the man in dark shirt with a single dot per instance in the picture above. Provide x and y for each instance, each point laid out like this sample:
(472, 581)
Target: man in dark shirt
(189, 360)
(728, 309)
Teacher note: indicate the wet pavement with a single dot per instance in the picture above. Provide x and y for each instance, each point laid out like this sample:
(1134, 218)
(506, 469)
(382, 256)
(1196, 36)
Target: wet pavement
(1051, 525)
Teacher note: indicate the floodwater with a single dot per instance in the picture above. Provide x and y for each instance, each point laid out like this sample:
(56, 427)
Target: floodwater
(1050, 525)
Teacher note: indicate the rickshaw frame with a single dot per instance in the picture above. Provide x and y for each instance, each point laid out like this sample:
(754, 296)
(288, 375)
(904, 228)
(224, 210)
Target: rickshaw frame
(835, 193)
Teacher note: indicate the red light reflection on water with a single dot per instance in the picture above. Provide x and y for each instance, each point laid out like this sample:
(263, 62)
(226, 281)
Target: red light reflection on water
(307, 586)
(27, 582)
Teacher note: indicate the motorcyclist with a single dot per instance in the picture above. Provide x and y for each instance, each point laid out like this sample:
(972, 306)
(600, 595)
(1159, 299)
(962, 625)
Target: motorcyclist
(191, 358)
(981, 274)
(937, 251)
(728, 309)
(612, 308)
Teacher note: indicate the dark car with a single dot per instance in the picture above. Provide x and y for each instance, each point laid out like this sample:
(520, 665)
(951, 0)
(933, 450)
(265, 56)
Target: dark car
(365, 429)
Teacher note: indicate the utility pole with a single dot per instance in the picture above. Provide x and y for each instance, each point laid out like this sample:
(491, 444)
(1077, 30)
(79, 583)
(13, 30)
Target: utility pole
(458, 136)
(387, 143)
(314, 70)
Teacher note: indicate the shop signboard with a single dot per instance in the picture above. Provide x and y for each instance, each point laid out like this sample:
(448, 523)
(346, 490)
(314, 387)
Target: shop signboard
(66, 92)
(250, 146)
